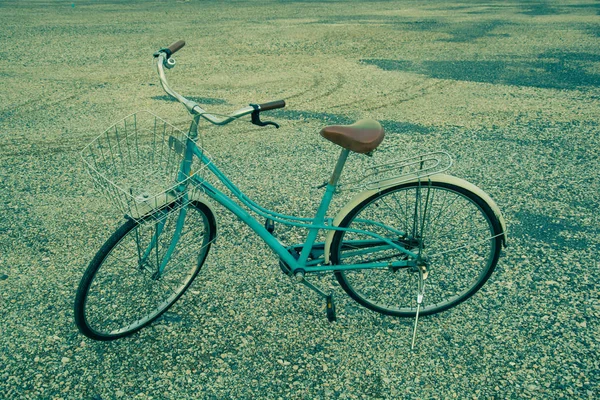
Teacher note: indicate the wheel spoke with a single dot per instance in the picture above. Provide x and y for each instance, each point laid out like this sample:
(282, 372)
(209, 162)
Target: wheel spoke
(448, 223)
(116, 297)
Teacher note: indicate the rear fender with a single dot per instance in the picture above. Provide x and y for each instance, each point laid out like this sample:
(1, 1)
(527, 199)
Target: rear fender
(440, 178)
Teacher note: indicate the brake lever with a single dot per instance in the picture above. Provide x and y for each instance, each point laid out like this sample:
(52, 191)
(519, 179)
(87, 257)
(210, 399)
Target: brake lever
(256, 118)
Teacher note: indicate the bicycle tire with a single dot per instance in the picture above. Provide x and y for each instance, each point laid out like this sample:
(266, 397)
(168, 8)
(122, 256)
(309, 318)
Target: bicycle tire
(115, 273)
(472, 243)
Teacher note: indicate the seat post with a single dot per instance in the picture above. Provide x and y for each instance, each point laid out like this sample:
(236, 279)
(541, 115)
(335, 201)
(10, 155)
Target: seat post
(324, 206)
(339, 166)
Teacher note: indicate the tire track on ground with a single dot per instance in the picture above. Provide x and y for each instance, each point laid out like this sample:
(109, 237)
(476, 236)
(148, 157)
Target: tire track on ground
(421, 91)
(317, 80)
(31, 106)
(424, 91)
(339, 83)
(38, 104)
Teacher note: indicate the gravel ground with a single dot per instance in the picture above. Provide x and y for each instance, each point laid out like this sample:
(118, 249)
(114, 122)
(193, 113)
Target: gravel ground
(511, 89)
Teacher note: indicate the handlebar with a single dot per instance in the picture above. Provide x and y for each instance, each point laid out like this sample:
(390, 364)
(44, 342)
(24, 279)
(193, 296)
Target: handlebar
(271, 105)
(163, 57)
(174, 47)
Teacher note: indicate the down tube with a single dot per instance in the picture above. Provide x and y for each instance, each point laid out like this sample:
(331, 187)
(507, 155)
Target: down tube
(256, 226)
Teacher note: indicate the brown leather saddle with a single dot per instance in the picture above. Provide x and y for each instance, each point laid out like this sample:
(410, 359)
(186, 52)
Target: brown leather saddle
(361, 137)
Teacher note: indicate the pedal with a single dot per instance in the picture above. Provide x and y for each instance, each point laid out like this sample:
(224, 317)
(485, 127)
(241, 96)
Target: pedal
(270, 225)
(330, 308)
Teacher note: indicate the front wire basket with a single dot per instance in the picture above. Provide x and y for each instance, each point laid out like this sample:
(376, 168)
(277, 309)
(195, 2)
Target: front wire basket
(393, 173)
(135, 164)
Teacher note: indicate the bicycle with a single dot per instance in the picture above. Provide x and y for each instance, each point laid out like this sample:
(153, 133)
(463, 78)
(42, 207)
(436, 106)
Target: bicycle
(411, 226)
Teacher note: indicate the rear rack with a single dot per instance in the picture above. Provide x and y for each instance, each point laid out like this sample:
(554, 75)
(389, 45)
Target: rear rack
(393, 173)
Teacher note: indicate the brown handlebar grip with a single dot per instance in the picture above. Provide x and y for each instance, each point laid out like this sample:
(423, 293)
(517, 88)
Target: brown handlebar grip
(272, 105)
(173, 48)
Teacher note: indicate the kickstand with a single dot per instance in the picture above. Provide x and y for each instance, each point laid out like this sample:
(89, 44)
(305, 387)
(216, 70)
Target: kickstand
(422, 277)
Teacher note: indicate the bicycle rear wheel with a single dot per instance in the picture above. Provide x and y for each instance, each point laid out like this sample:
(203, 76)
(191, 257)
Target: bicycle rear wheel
(121, 292)
(452, 228)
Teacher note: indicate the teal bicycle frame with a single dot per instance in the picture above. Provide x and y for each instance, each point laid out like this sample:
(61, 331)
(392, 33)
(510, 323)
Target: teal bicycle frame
(376, 245)
(310, 259)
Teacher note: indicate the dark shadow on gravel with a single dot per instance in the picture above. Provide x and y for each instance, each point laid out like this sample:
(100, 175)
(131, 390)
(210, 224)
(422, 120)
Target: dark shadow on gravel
(469, 32)
(540, 8)
(592, 6)
(547, 229)
(404, 127)
(555, 70)
(460, 32)
(299, 115)
(340, 119)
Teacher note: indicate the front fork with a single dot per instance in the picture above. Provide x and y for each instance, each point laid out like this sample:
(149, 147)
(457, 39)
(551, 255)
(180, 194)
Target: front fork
(153, 248)
(182, 200)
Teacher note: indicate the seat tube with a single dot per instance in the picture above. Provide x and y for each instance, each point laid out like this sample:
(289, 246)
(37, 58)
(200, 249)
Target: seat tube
(324, 206)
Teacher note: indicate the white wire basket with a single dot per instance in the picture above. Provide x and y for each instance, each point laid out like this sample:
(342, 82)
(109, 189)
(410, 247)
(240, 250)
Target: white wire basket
(135, 163)
(393, 173)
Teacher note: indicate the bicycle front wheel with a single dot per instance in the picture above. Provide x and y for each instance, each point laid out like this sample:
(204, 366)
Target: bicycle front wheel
(451, 229)
(122, 289)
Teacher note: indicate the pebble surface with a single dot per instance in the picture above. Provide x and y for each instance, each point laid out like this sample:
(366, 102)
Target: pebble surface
(512, 91)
